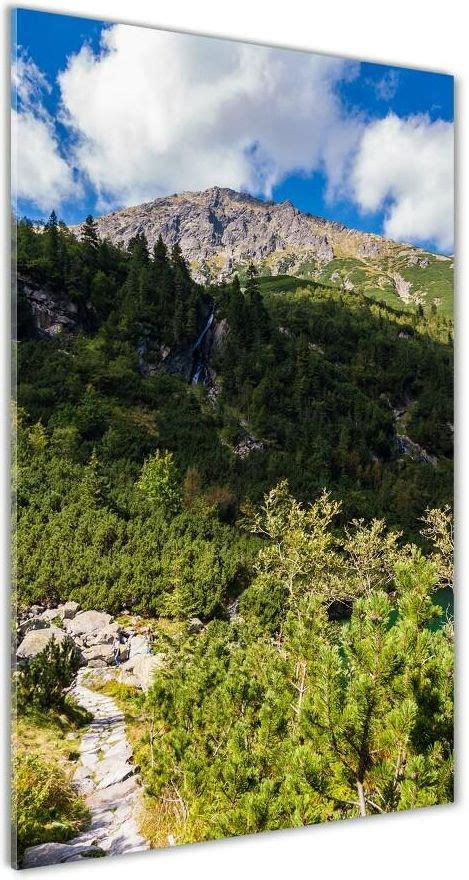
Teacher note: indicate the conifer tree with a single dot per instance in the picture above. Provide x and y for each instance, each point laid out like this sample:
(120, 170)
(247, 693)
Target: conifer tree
(89, 234)
(52, 250)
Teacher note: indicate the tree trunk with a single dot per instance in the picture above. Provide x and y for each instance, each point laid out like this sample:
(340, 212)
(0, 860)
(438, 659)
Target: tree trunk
(361, 798)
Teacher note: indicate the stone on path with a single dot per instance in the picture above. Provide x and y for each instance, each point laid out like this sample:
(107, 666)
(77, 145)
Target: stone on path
(110, 783)
(55, 853)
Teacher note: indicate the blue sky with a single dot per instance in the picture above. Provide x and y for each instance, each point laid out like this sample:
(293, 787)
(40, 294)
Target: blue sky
(108, 116)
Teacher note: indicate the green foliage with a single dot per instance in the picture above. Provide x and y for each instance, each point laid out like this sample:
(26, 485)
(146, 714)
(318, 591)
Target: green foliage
(43, 679)
(160, 484)
(311, 372)
(330, 693)
(439, 531)
(264, 724)
(45, 804)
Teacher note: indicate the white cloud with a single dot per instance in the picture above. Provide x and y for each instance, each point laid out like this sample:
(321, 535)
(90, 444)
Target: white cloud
(406, 167)
(28, 83)
(156, 112)
(39, 172)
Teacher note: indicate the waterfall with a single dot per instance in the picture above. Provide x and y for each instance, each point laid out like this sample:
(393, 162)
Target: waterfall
(204, 332)
(199, 369)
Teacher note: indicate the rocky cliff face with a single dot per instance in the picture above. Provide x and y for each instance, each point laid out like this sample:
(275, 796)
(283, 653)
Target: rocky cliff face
(52, 314)
(221, 231)
(220, 228)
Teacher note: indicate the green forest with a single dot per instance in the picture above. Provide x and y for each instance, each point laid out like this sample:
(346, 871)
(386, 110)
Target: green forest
(307, 482)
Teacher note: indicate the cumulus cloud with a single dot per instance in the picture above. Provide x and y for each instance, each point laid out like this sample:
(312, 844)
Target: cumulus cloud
(406, 167)
(39, 172)
(28, 83)
(156, 112)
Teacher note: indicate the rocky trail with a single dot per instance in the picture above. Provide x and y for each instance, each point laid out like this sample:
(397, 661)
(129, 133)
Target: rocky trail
(110, 783)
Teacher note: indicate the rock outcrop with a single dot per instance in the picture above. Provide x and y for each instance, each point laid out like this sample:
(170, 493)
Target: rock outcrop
(53, 313)
(406, 446)
(220, 228)
(97, 638)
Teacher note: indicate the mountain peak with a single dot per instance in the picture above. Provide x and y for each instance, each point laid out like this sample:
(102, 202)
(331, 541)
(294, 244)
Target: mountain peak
(221, 230)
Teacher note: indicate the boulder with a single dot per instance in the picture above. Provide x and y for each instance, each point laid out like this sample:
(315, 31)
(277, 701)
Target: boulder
(88, 622)
(32, 624)
(138, 645)
(105, 636)
(129, 679)
(99, 652)
(195, 625)
(51, 614)
(36, 640)
(139, 670)
(70, 609)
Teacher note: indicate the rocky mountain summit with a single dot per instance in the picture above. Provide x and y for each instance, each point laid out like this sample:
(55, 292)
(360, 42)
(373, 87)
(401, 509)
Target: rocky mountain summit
(220, 231)
(220, 228)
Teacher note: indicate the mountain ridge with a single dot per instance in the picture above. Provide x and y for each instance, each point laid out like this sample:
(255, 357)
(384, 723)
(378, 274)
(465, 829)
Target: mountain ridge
(220, 231)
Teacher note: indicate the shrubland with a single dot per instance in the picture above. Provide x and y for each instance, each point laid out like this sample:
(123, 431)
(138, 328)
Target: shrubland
(329, 694)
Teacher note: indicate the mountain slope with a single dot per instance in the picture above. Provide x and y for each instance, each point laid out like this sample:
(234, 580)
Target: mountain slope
(220, 231)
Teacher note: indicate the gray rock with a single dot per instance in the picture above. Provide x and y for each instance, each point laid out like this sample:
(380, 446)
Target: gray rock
(110, 771)
(103, 652)
(195, 625)
(141, 669)
(35, 641)
(55, 853)
(106, 635)
(114, 795)
(36, 609)
(70, 610)
(247, 445)
(222, 222)
(120, 751)
(51, 614)
(88, 622)
(32, 623)
(54, 313)
(138, 645)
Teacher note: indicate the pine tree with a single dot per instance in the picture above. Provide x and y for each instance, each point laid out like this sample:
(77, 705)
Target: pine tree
(160, 257)
(52, 250)
(89, 234)
(138, 250)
